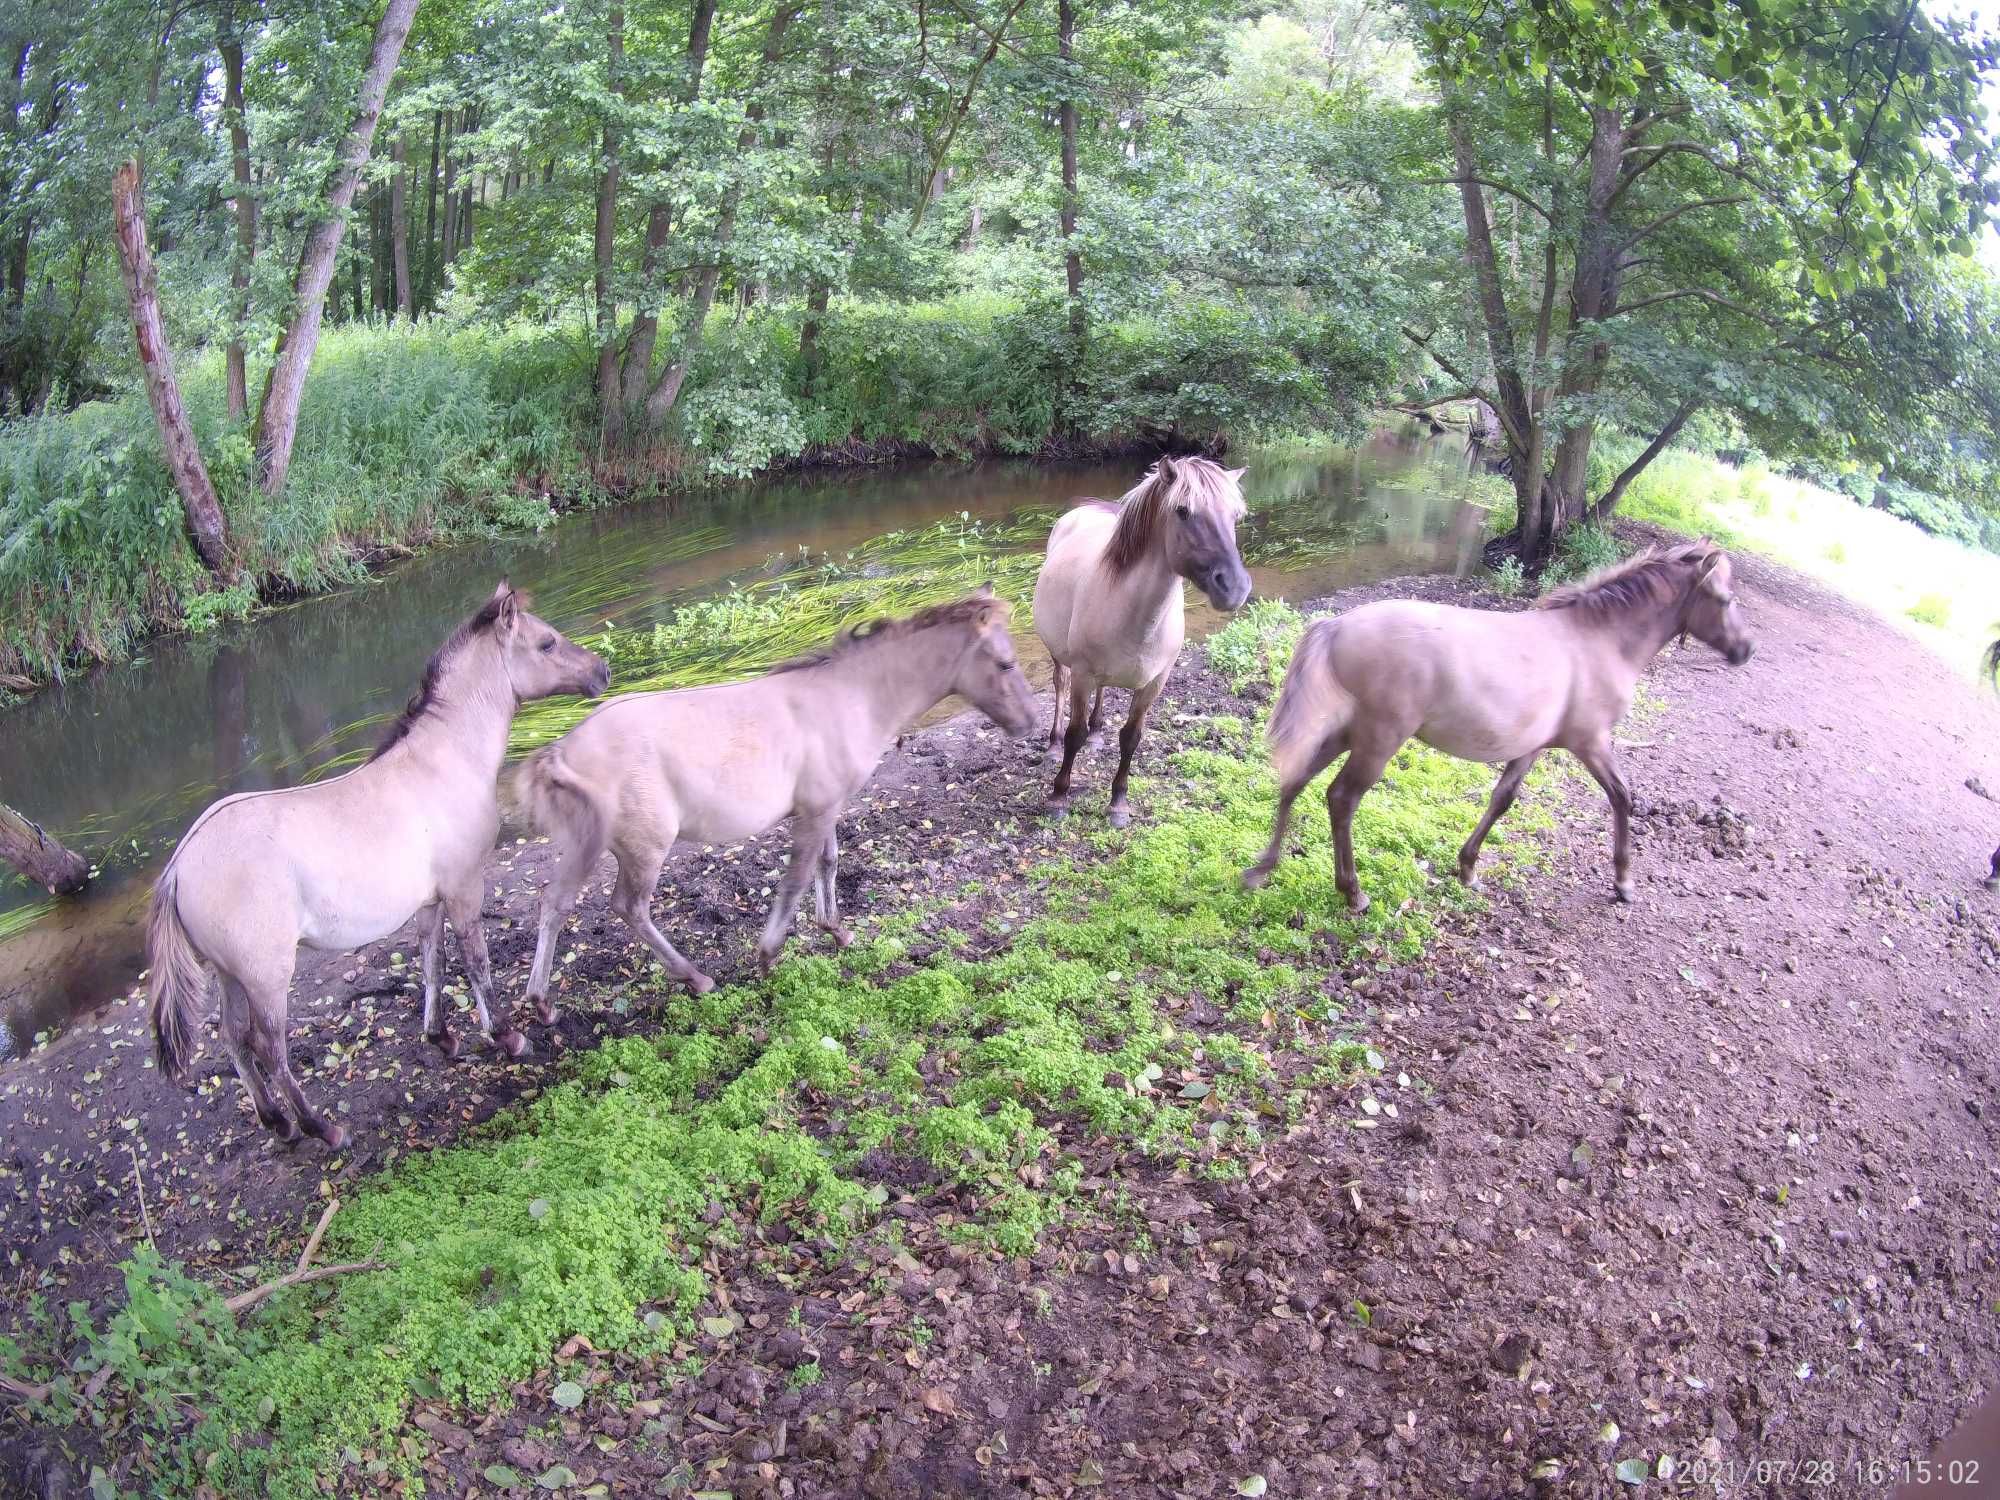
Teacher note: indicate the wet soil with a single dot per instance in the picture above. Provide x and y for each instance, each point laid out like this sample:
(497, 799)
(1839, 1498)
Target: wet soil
(1711, 1176)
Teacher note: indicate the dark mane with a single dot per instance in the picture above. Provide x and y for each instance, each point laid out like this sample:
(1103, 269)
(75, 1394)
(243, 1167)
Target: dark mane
(868, 632)
(1138, 518)
(1645, 579)
(426, 695)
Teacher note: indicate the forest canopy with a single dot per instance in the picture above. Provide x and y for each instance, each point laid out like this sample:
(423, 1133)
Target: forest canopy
(421, 262)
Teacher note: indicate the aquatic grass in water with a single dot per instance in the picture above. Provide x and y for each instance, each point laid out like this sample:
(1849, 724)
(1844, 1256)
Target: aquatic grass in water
(583, 1211)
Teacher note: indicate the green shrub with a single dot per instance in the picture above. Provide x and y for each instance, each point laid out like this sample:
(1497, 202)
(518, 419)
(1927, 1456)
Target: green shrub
(1932, 609)
(1509, 579)
(1586, 548)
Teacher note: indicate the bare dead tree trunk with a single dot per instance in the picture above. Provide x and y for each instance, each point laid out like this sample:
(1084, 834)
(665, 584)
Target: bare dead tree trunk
(32, 850)
(206, 528)
(246, 217)
(399, 227)
(638, 368)
(278, 413)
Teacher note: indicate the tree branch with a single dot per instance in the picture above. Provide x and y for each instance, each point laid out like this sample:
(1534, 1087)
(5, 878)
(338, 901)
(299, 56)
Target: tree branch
(1423, 342)
(1632, 470)
(1667, 218)
(958, 113)
(1498, 187)
(1705, 295)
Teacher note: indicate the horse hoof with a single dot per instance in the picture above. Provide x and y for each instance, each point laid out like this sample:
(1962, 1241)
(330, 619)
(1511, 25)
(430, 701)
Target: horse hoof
(282, 1127)
(1468, 879)
(843, 937)
(511, 1042)
(545, 1012)
(1993, 883)
(335, 1137)
(1121, 817)
(446, 1042)
(1255, 876)
(1357, 902)
(700, 983)
(1056, 807)
(1623, 891)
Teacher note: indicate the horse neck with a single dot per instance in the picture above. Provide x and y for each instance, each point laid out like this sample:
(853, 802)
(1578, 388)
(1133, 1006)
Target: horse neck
(894, 681)
(1150, 588)
(1642, 634)
(473, 711)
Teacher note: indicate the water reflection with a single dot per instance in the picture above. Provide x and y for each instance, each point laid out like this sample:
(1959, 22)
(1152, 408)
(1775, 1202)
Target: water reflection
(120, 761)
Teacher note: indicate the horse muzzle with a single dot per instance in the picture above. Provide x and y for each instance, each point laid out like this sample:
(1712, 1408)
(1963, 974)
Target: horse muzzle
(1741, 652)
(600, 679)
(1227, 588)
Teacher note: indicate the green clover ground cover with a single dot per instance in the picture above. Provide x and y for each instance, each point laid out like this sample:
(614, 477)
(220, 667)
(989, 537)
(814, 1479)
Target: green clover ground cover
(581, 1212)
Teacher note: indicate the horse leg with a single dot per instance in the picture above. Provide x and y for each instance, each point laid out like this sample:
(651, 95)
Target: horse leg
(558, 897)
(809, 836)
(430, 941)
(1601, 761)
(265, 998)
(826, 894)
(1993, 879)
(1096, 736)
(1058, 686)
(1288, 793)
(638, 878)
(1503, 798)
(462, 906)
(1079, 701)
(237, 1033)
(1365, 765)
(1128, 741)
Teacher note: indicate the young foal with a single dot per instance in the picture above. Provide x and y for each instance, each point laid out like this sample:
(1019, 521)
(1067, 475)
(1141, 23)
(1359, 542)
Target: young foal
(718, 764)
(1486, 686)
(1108, 601)
(340, 863)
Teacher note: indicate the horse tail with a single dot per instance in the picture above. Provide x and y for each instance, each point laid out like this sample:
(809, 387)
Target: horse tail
(1311, 706)
(176, 982)
(555, 802)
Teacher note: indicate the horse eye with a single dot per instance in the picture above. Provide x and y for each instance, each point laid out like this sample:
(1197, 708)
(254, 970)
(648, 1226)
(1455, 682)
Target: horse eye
(1181, 511)
(549, 644)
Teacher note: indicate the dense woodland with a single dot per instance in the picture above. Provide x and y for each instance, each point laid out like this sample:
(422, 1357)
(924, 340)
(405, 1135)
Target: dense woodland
(285, 284)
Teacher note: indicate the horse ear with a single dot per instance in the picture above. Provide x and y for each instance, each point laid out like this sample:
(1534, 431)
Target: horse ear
(1166, 468)
(502, 591)
(510, 607)
(984, 591)
(1237, 474)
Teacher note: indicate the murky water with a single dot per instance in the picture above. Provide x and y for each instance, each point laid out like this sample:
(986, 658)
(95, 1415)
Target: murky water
(119, 763)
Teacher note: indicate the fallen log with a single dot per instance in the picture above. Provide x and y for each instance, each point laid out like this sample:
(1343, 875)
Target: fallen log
(35, 852)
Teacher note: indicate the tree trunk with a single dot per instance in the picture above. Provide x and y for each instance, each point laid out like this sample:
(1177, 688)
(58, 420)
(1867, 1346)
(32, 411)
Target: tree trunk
(246, 219)
(1072, 257)
(448, 246)
(667, 392)
(610, 394)
(35, 853)
(431, 214)
(399, 227)
(638, 368)
(206, 528)
(816, 301)
(278, 413)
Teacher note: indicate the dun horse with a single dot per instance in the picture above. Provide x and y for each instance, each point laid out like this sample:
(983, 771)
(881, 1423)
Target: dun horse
(1108, 602)
(718, 764)
(340, 863)
(1490, 687)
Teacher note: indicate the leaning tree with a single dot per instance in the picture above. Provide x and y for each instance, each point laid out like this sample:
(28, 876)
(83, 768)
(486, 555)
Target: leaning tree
(1677, 204)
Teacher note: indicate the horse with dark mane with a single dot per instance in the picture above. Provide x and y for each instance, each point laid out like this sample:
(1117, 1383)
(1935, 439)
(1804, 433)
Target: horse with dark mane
(717, 764)
(1488, 686)
(1108, 600)
(339, 863)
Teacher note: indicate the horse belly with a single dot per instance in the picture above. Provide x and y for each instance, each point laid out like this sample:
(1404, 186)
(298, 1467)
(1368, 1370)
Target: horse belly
(336, 917)
(1491, 734)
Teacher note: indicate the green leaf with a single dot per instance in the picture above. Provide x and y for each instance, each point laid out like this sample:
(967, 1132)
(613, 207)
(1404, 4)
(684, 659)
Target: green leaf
(1253, 1485)
(718, 1328)
(538, 1208)
(1634, 1471)
(568, 1395)
(502, 1475)
(556, 1477)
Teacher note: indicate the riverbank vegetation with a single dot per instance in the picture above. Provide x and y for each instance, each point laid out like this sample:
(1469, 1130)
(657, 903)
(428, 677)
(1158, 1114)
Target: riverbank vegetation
(710, 240)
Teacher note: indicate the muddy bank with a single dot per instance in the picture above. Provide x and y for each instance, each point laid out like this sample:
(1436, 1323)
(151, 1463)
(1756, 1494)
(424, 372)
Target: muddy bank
(1716, 1170)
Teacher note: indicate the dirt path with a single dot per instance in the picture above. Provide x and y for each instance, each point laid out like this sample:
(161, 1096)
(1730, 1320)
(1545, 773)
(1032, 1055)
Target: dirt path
(1719, 1168)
